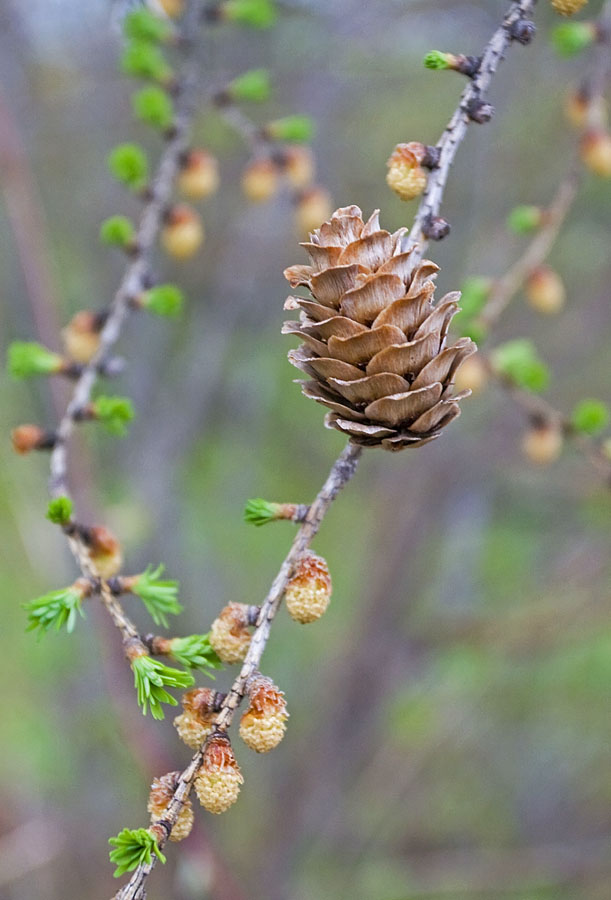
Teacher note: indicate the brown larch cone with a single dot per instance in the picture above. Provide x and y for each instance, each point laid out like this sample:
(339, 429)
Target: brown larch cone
(197, 721)
(218, 782)
(263, 724)
(162, 791)
(374, 340)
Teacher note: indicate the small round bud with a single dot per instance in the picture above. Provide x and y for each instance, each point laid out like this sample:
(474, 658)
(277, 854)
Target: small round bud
(524, 219)
(436, 228)
(313, 208)
(183, 232)
(263, 724)
(472, 375)
(26, 438)
(229, 635)
(162, 792)
(405, 175)
(542, 444)
(545, 291)
(595, 151)
(298, 165)
(581, 108)
(218, 782)
(523, 31)
(81, 336)
(104, 550)
(172, 8)
(568, 7)
(309, 590)
(480, 112)
(260, 180)
(199, 177)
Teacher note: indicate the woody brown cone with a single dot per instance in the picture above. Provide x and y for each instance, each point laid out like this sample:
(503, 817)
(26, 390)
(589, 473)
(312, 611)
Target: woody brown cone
(373, 336)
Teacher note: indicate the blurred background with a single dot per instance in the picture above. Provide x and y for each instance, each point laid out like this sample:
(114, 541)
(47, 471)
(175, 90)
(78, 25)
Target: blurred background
(450, 734)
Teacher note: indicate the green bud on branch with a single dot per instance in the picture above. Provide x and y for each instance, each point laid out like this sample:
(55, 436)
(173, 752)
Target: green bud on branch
(118, 230)
(298, 129)
(159, 597)
(153, 105)
(571, 38)
(151, 677)
(143, 25)
(590, 417)
(141, 59)
(57, 608)
(524, 219)
(113, 412)
(438, 60)
(253, 86)
(519, 362)
(195, 652)
(259, 512)
(162, 300)
(132, 849)
(252, 13)
(27, 358)
(128, 164)
(59, 510)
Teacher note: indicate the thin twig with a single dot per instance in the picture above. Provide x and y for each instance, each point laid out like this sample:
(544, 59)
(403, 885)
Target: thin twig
(456, 128)
(341, 472)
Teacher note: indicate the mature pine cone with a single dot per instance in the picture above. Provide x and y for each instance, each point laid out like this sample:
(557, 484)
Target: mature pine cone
(374, 341)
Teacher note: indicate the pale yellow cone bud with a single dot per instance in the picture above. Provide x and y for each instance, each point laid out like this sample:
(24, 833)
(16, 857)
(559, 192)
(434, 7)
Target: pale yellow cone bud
(263, 724)
(298, 164)
(579, 109)
(472, 375)
(595, 153)
(545, 291)
(543, 444)
(191, 731)
(162, 792)
(81, 336)
(183, 233)
(172, 8)
(229, 635)
(568, 7)
(313, 208)
(199, 177)
(218, 782)
(260, 180)
(309, 590)
(197, 721)
(405, 175)
(104, 551)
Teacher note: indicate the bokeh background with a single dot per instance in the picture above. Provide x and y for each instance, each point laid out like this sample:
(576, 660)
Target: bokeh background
(450, 734)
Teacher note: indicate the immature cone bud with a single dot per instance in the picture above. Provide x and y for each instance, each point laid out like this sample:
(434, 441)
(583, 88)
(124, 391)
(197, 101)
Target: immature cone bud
(229, 635)
(405, 174)
(298, 165)
(81, 336)
(595, 153)
(260, 180)
(545, 291)
(309, 590)
(263, 724)
(579, 108)
(472, 375)
(183, 232)
(172, 8)
(197, 721)
(568, 7)
(199, 177)
(313, 207)
(543, 443)
(104, 551)
(162, 792)
(217, 783)
(30, 437)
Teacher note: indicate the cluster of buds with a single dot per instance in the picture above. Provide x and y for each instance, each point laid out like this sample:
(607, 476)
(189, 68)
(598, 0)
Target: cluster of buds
(308, 592)
(161, 794)
(263, 725)
(218, 782)
(545, 290)
(407, 166)
(229, 634)
(196, 721)
(542, 443)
